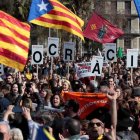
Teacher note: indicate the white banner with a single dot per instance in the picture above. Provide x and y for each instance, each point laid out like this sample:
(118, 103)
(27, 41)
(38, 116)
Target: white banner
(96, 65)
(68, 51)
(37, 54)
(83, 69)
(110, 52)
(52, 49)
(132, 58)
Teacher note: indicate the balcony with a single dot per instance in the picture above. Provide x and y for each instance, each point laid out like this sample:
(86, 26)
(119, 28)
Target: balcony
(132, 31)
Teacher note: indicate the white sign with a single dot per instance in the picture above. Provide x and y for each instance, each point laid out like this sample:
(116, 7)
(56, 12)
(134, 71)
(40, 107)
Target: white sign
(37, 54)
(132, 58)
(96, 65)
(52, 49)
(110, 52)
(83, 69)
(1, 70)
(68, 51)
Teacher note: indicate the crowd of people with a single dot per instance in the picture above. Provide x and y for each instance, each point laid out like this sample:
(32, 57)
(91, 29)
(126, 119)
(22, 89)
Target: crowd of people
(33, 98)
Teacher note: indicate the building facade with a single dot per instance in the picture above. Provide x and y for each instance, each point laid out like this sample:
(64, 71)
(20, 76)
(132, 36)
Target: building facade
(131, 39)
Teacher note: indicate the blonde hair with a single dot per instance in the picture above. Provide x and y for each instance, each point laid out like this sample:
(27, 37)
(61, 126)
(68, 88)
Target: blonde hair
(16, 134)
(66, 81)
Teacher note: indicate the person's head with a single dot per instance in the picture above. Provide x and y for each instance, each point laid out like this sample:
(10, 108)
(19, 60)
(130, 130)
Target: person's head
(136, 94)
(71, 127)
(71, 107)
(115, 75)
(95, 128)
(5, 130)
(34, 76)
(15, 88)
(6, 89)
(84, 126)
(23, 77)
(66, 85)
(58, 127)
(56, 100)
(9, 79)
(110, 81)
(45, 93)
(55, 76)
(16, 134)
(125, 119)
(27, 102)
(127, 93)
(118, 91)
(30, 86)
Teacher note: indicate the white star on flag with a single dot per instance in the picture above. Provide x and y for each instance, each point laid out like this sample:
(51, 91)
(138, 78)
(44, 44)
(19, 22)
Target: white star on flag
(43, 6)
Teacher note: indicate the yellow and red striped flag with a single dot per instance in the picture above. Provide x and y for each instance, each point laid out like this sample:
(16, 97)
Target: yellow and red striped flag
(53, 14)
(14, 41)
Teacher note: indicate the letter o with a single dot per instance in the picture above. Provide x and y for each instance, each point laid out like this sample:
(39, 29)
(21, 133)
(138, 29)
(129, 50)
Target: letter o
(37, 52)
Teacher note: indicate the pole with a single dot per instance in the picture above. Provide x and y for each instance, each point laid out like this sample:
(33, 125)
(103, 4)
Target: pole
(68, 68)
(37, 70)
(132, 76)
(51, 66)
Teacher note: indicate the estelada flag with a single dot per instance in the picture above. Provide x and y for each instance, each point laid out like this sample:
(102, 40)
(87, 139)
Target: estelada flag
(14, 41)
(53, 14)
(101, 30)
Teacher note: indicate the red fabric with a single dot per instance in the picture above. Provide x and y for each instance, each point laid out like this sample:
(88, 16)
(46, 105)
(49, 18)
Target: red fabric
(88, 101)
(101, 30)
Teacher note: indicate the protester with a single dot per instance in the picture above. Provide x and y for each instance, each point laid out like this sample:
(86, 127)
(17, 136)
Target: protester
(57, 101)
(71, 109)
(42, 103)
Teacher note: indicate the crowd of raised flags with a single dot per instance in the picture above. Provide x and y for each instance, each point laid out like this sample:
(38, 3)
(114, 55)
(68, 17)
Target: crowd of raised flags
(15, 35)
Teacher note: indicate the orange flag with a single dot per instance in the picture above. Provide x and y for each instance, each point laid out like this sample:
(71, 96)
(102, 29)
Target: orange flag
(88, 101)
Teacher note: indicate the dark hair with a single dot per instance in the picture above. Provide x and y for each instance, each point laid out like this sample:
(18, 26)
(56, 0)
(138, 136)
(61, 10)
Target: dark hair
(73, 126)
(61, 100)
(74, 104)
(27, 102)
(1, 136)
(19, 87)
(6, 87)
(9, 75)
(58, 127)
(110, 77)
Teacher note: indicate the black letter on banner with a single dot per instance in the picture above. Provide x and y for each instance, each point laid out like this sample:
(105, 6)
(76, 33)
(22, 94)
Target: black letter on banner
(50, 49)
(108, 54)
(68, 52)
(131, 60)
(37, 52)
(96, 68)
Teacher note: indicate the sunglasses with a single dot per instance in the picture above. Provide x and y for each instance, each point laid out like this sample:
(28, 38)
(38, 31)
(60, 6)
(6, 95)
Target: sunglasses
(98, 124)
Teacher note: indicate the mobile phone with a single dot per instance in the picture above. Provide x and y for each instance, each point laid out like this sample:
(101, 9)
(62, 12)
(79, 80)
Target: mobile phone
(17, 109)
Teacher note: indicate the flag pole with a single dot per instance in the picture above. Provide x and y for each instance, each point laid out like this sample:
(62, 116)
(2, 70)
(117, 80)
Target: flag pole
(68, 70)
(37, 70)
(132, 76)
(51, 57)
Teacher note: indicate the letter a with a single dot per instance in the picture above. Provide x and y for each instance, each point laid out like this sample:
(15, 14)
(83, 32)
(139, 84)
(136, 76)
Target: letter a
(96, 68)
